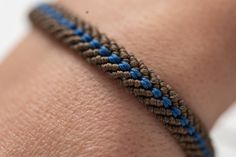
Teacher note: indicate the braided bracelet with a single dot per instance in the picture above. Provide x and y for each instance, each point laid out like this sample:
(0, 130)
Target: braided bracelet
(157, 96)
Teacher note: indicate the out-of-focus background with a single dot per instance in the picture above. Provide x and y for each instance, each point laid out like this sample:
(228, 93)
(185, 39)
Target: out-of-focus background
(15, 25)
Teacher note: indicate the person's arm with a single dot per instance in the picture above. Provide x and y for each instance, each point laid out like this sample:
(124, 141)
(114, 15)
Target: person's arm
(53, 103)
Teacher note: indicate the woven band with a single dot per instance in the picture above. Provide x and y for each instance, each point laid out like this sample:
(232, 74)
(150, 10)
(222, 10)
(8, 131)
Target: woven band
(157, 96)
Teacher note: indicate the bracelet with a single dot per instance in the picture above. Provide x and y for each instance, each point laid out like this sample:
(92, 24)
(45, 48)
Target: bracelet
(157, 96)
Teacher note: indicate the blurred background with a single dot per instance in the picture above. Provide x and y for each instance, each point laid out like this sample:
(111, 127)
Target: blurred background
(15, 25)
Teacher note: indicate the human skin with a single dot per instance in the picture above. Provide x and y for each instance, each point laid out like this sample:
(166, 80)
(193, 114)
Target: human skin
(53, 103)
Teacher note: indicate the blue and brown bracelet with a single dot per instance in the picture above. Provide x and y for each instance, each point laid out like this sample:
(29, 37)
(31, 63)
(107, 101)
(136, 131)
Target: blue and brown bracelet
(157, 96)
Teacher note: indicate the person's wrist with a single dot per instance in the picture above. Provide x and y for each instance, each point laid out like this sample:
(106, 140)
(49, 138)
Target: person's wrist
(65, 107)
(80, 121)
(177, 43)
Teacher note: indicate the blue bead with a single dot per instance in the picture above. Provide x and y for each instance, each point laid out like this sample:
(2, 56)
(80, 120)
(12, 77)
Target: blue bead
(56, 15)
(206, 153)
(184, 121)
(65, 22)
(166, 102)
(202, 143)
(71, 25)
(45, 10)
(86, 37)
(156, 92)
(191, 129)
(79, 31)
(113, 58)
(146, 83)
(124, 66)
(95, 44)
(103, 51)
(132, 74)
(135, 74)
(176, 112)
(43, 6)
(197, 136)
(50, 11)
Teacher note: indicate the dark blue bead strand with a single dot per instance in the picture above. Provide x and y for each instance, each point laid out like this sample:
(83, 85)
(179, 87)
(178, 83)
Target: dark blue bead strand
(126, 66)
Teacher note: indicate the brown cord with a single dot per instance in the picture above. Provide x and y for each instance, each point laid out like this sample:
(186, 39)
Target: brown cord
(68, 37)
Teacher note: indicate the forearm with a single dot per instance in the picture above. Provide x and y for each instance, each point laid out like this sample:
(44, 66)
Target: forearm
(59, 105)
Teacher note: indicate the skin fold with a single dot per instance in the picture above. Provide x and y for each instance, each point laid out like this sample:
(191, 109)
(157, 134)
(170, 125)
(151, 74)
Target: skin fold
(53, 103)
